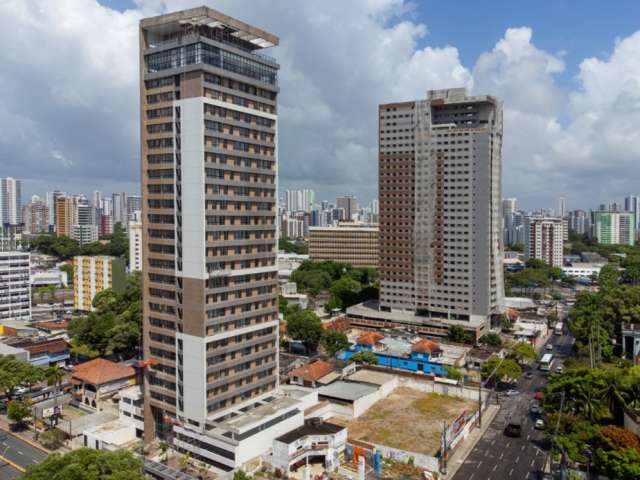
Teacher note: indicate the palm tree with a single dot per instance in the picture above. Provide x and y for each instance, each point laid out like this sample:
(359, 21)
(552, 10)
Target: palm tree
(587, 402)
(164, 448)
(54, 375)
(614, 394)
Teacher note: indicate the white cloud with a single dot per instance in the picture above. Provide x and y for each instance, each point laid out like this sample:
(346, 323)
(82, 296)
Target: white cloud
(70, 85)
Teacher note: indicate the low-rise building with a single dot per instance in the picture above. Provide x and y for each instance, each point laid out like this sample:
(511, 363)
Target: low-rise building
(110, 436)
(310, 374)
(92, 275)
(18, 353)
(15, 289)
(353, 244)
(130, 407)
(418, 355)
(45, 278)
(100, 379)
(582, 269)
(313, 441)
(289, 291)
(48, 352)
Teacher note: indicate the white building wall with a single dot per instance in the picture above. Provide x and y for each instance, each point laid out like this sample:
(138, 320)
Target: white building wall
(15, 286)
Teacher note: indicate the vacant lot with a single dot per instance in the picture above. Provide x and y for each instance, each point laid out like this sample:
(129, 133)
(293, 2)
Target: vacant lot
(408, 420)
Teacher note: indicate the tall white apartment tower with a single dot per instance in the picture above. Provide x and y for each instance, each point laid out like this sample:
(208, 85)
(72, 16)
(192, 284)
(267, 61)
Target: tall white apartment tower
(209, 207)
(440, 191)
(11, 201)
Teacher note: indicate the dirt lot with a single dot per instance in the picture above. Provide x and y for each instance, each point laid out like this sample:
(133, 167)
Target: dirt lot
(408, 420)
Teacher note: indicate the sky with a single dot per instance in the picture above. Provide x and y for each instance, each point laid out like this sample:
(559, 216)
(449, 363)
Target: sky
(568, 72)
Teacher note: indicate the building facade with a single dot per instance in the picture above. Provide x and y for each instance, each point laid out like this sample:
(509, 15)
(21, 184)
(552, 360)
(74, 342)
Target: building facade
(349, 204)
(614, 228)
(92, 275)
(135, 246)
(10, 201)
(544, 239)
(209, 163)
(65, 215)
(15, 288)
(35, 216)
(355, 245)
(84, 234)
(440, 171)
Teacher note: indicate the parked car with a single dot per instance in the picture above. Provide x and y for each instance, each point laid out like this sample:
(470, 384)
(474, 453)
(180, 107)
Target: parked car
(559, 369)
(535, 409)
(528, 375)
(512, 393)
(549, 347)
(539, 425)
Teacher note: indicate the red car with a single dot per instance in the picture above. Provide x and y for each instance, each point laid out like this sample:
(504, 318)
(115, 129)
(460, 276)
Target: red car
(538, 396)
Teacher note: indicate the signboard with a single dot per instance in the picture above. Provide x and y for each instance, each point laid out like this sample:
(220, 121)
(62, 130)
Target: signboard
(51, 411)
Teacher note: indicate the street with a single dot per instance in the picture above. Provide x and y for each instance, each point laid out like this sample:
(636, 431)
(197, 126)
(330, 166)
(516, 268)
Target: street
(497, 456)
(19, 452)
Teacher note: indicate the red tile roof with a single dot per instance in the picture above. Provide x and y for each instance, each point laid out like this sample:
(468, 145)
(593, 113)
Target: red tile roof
(312, 371)
(100, 371)
(53, 325)
(369, 338)
(51, 346)
(425, 346)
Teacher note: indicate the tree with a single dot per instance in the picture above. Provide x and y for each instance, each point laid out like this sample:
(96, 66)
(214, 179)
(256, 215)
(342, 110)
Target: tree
(18, 411)
(114, 326)
(459, 335)
(164, 449)
(52, 438)
(621, 437)
(334, 341)
(184, 461)
(14, 372)
(523, 352)
(453, 373)
(68, 268)
(608, 277)
(491, 339)
(306, 327)
(88, 464)
(504, 369)
(240, 475)
(288, 246)
(365, 357)
(345, 292)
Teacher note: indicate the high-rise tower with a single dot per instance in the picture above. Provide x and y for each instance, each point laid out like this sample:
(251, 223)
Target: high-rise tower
(440, 167)
(209, 164)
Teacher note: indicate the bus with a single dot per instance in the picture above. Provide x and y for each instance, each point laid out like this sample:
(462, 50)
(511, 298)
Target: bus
(558, 328)
(546, 362)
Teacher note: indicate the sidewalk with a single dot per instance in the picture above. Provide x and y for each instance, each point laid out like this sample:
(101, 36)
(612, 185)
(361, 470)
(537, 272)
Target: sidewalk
(27, 435)
(462, 452)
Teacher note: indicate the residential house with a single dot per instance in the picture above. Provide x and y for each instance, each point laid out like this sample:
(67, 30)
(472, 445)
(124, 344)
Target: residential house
(100, 379)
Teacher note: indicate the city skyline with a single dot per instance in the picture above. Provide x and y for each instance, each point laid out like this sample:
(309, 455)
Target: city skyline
(326, 142)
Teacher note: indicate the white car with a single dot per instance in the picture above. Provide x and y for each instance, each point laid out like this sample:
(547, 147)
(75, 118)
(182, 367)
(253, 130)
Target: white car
(549, 347)
(512, 393)
(539, 424)
(559, 369)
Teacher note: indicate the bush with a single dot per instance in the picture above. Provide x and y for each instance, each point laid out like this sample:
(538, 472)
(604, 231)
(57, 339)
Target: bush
(52, 439)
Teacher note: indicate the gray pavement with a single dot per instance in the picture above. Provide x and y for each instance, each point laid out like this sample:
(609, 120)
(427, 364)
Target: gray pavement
(18, 451)
(7, 472)
(497, 456)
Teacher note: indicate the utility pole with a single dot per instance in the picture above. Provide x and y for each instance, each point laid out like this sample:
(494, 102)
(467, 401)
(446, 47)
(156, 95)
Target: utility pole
(480, 391)
(549, 458)
(444, 447)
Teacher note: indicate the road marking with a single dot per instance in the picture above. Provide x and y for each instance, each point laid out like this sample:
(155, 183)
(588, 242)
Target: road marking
(508, 444)
(517, 458)
(493, 442)
(19, 452)
(471, 476)
(522, 449)
(528, 436)
(501, 455)
(494, 467)
(532, 462)
(511, 472)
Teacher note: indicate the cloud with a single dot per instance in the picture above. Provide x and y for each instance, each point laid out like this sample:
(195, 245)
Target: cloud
(69, 103)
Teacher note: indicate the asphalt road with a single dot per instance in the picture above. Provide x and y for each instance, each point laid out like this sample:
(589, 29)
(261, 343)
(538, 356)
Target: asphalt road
(497, 456)
(19, 452)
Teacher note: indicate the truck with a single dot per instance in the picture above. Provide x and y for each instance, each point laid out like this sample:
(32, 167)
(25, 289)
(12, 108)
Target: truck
(513, 428)
(559, 328)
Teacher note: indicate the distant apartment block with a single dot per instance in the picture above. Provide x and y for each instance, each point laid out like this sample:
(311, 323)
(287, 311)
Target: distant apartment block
(135, 246)
(544, 239)
(65, 215)
(355, 245)
(35, 216)
(84, 234)
(10, 201)
(614, 228)
(349, 204)
(15, 288)
(92, 275)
